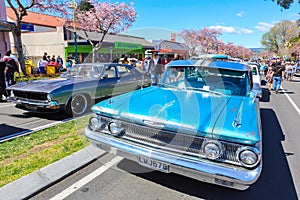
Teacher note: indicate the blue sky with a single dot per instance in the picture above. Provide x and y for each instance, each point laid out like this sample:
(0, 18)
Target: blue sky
(243, 21)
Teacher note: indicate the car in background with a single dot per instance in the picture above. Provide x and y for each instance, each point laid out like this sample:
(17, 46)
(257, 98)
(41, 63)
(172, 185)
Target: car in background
(202, 121)
(76, 90)
(256, 78)
(298, 69)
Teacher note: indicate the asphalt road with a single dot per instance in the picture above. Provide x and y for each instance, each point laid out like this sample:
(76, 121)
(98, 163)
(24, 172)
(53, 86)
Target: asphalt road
(16, 121)
(113, 178)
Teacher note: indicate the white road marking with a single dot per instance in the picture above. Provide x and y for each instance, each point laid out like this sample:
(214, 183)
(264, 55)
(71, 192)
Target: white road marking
(291, 101)
(87, 179)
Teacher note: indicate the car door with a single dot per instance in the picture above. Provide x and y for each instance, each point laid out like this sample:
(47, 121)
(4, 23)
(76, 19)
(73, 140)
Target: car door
(108, 80)
(128, 79)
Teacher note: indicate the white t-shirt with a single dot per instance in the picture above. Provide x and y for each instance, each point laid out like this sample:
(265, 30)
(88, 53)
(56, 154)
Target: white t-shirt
(155, 61)
(14, 57)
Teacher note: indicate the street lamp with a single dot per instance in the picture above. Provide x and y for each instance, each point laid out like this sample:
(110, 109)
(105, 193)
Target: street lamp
(74, 7)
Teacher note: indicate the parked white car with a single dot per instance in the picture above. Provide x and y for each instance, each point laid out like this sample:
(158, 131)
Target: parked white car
(256, 78)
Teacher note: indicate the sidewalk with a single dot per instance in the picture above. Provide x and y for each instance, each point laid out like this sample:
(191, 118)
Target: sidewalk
(32, 183)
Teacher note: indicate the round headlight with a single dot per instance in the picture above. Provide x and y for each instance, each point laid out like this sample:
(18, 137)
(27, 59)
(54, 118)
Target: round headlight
(115, 128)
(96, 124)
(49, 97)
(212, 149)
(248, 157)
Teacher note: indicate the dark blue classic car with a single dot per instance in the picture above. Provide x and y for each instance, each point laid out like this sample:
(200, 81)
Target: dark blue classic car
(75, 91)
(201, 121)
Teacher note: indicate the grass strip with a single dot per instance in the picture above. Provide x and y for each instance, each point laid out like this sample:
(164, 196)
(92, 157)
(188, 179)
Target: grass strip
(27, 154)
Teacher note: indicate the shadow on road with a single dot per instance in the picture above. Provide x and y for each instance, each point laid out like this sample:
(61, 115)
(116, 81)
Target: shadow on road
(265, 95)
(59, 116)
(275, 182)
(6, 130)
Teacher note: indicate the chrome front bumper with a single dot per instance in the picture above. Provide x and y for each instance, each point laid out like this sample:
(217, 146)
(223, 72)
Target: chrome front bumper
(204, 170)
(35, 105)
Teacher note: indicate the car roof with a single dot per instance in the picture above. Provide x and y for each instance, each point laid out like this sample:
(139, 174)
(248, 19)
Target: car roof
(210, 63)
(105, 64)
(212, 56)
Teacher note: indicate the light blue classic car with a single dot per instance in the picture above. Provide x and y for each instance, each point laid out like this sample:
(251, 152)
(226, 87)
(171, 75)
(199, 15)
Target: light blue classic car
(76, 90)
(201, 121)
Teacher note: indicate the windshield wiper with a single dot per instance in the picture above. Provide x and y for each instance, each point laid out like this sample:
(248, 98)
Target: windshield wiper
(167, 85)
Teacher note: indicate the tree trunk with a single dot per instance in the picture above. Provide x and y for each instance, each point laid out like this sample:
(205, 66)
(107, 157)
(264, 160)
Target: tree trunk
(19, 47)
(95, 49)
(94, 54)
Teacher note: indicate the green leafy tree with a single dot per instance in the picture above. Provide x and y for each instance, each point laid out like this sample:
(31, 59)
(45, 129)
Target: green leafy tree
(279, 35)
(85, 5)
(285, 3)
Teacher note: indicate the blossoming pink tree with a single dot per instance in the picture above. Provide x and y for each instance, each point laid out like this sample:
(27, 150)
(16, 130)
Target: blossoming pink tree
(20, 9)
(189, 37)
(206, 41)
(201, 41)
(105, 18)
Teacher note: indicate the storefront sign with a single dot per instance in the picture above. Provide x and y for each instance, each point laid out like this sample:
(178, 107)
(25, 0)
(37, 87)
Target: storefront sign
(126, 45)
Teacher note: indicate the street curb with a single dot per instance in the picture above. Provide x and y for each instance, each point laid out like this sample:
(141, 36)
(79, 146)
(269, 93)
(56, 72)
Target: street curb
(35, 181)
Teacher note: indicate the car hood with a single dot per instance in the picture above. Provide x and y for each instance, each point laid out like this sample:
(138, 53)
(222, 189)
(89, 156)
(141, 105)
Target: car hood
(195, 113)
(43, 85)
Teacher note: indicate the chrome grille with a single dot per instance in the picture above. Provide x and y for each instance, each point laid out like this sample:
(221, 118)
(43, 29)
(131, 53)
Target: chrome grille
(30, 95)
(175, 142)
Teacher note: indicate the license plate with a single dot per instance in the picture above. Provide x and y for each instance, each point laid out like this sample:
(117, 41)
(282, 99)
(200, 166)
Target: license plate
(153, 164)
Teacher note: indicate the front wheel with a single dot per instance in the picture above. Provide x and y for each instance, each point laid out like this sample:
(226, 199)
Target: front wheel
(77, 105)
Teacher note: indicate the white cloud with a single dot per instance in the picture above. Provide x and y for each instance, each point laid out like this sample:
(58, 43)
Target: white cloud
(246, 31)
(231, 29)
(264, 26)
(240, 14)
(226, 29)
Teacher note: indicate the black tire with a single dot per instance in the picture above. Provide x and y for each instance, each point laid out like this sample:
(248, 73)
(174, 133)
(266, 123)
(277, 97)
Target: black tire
(77, 105)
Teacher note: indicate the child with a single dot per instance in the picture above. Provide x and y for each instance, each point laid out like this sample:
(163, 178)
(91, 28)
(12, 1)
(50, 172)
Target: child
(269, 77)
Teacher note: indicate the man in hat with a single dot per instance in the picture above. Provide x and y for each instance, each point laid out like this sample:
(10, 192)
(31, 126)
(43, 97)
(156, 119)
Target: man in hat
(155, 69)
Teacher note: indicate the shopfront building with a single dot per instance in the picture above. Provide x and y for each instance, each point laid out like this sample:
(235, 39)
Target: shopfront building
(113, 47)
(4, 36)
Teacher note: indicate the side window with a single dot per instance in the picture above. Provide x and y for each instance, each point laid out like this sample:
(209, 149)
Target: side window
(123, 71)
(110, 72)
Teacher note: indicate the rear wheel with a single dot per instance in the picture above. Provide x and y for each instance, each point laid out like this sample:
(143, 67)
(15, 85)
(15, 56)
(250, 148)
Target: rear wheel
(77, 105)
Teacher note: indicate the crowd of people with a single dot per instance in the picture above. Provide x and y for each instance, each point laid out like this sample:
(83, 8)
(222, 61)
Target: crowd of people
(276, 72)
(57, 62)
(153, 66)
(9, 65)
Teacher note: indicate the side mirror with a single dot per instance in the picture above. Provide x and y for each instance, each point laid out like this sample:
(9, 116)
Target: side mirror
(253, 94)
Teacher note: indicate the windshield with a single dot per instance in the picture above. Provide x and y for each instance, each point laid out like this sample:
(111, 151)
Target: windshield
(87, 71)
(206, 79)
